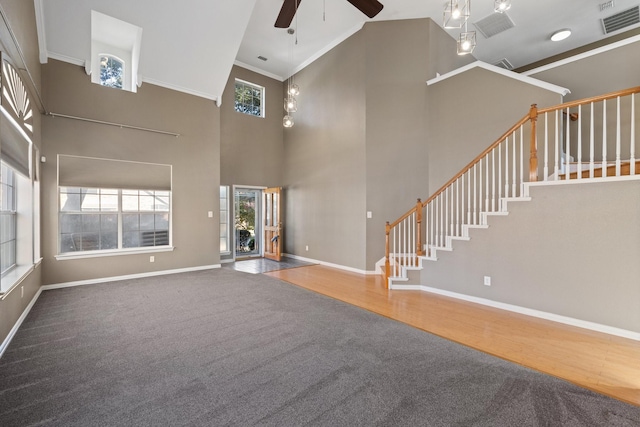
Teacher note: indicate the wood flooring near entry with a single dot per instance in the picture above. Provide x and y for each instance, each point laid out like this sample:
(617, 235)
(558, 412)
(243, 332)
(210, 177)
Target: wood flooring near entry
(597, 361)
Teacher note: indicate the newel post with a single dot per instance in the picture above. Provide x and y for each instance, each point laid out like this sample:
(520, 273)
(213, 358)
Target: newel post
(387, 265)
(533, 159)
(419, 228)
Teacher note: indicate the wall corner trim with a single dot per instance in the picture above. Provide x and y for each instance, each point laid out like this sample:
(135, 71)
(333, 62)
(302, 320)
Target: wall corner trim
(511, 74)
(40, 29)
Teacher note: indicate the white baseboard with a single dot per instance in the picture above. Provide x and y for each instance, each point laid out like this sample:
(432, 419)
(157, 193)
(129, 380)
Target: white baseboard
(127, 277)
(18, 323)
(528, 312)
(329, 264)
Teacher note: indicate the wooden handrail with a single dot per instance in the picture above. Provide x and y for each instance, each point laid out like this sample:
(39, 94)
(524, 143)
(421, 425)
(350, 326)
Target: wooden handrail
(403, 217)
(584, 101)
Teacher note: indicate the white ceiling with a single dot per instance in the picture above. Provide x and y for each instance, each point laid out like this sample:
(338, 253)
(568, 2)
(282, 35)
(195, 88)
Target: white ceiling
(191, 45)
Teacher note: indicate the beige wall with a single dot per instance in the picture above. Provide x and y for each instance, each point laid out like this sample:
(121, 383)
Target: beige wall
(251, 148)
(194, 156)
(21, 18)
(610, 71)
(324, 167)
(572, 250)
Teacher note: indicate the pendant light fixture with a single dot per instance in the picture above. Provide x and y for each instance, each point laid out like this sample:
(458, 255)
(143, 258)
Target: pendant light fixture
(293, 90)
(456, 15)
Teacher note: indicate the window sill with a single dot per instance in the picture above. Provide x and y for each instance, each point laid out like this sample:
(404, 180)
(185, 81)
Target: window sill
(115, 252)
(13, 278)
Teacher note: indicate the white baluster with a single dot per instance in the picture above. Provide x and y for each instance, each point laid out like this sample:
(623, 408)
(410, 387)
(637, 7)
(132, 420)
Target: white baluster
(618, 139)
(506, 167)
(514, 165)
(486, 180)
(493, 180)
(591, 142)
(545, 169)
(499, 175)
(475, 194)
(632, 147)
(459, 204)
(567, 149)
(432, 206)
(469, 189)
(579, 170)
(556, 162)
(604, 138)
(521, 161)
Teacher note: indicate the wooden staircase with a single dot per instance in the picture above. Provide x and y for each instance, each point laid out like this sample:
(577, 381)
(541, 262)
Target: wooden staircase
(537, 149)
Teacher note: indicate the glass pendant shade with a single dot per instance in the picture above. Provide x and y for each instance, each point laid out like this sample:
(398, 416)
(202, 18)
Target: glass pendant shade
(466, 42)
(501, 6)
(287, 121)
(456, 13)
(294, 90)
(290, 104)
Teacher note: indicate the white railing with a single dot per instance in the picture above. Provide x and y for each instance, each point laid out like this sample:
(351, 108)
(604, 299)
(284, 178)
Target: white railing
(574, 141)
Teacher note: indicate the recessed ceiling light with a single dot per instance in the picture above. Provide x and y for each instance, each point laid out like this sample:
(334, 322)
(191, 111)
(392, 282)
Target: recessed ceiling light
(560, 35)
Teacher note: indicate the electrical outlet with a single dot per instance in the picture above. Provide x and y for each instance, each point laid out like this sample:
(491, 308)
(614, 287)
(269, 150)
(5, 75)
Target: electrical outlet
(487, 280)
(152, 259)
(21, 291)
(307, 247)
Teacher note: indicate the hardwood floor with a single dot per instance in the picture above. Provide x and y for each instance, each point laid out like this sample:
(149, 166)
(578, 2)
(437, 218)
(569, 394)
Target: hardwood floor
(600, 362)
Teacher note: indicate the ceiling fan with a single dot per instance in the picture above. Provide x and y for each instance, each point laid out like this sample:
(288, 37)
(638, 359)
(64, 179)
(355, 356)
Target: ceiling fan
(369, 7)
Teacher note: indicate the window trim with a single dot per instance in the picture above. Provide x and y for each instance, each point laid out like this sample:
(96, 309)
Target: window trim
(262, 97)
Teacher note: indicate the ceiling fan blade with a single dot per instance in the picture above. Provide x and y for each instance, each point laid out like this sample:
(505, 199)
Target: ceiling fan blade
(369, 7)
(287, 12)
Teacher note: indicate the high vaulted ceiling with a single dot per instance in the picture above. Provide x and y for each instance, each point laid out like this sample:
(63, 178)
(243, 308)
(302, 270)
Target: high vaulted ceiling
(191, 45)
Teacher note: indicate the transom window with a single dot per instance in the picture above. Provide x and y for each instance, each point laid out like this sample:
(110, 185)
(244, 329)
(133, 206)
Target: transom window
(102, 219)
(111, 71)
(249, 98)
(7, 219)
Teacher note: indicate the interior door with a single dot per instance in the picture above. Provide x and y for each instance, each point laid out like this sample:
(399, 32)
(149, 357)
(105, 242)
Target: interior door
(272, 224)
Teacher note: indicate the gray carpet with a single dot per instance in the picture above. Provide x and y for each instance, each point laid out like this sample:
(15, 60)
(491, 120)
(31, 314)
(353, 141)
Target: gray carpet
(220, 347)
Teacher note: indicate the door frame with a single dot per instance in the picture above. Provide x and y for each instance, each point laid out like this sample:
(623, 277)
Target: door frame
(259, 233)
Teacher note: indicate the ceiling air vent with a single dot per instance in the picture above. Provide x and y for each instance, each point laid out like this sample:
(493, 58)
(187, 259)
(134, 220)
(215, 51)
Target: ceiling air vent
(621, 20)
(494, 24)
(504, 63)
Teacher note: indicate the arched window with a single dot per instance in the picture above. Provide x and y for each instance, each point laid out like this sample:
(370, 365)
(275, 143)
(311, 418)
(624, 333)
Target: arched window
(111, 71)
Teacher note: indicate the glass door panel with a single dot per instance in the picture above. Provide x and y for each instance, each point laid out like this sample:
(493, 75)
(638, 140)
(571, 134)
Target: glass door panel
(247, 221)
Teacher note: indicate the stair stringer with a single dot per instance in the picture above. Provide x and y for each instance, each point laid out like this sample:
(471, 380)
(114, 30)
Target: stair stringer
(409, 280)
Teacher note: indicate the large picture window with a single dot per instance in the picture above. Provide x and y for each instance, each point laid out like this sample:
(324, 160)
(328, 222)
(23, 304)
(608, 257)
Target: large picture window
(94, 219)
